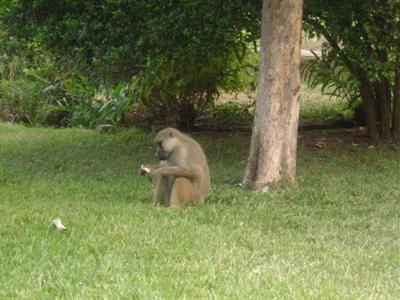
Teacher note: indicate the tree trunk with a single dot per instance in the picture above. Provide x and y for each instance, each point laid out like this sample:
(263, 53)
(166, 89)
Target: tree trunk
(383, 100)
(272, 158)
(396, 108)
(368, 103)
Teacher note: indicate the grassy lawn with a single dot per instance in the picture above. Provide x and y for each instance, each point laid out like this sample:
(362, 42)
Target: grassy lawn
(314, 105)
(336, 236)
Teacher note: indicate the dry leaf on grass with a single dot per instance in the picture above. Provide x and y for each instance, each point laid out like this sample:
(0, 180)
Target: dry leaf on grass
(59, 225)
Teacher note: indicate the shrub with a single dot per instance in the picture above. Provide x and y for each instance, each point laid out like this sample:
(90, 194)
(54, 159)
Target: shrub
(180, 52)
(362, 54)
(20, 96)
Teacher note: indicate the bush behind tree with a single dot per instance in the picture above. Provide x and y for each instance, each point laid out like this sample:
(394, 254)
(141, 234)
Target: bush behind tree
(362, 54)
(180, 53)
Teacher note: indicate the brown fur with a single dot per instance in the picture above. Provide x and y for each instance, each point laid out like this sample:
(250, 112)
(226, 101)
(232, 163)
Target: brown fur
(183, 176)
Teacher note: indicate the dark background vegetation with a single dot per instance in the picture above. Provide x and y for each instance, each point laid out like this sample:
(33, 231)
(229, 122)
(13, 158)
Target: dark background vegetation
(84, 63)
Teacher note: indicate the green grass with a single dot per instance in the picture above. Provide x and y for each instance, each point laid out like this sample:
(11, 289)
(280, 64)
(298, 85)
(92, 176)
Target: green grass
(336, 236)
(316, 106)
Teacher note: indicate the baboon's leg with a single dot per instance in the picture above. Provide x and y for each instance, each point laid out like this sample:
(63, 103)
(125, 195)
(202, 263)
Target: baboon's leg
(162, 192)
(183, 192)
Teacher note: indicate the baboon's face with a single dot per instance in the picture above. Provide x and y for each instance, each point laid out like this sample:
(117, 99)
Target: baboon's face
(165, 145)
(160, 154)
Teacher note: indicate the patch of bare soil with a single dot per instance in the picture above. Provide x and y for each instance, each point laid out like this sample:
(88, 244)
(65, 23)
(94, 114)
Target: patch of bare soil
(326, 138)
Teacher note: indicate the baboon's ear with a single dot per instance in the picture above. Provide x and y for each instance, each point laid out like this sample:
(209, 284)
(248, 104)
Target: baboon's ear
(170, 133)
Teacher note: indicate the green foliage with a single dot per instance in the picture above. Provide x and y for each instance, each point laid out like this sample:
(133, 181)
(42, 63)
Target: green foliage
(114, 110)
(233, 113)
(82, 107)
(20, 98)
(42, 95)
(354, 32)
(187, 66)
(244, 72)
(179, 52)
(175, 91)
(332, 78)
(179, 89)
(335, 81)
(361, 56)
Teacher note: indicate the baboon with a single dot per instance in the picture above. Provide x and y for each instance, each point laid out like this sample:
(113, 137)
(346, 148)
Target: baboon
(182, 174)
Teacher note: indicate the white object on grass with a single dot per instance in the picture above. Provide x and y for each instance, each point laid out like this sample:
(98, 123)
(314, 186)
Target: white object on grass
(59, 225)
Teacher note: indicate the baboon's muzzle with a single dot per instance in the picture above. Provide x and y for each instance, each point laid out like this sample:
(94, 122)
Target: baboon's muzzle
(161, 155)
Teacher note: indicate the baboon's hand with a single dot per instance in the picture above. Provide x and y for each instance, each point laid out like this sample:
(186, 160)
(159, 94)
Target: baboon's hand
(143, 170)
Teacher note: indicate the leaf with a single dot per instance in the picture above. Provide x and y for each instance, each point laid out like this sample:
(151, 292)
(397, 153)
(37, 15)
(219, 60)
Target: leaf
(58, 224)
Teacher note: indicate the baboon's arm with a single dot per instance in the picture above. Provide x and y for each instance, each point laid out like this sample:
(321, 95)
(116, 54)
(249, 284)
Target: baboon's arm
(174, 171)
(148, 169)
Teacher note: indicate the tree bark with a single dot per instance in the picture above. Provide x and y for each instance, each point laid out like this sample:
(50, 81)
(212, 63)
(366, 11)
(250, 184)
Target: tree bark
(396, 108)
(383, 101)
(272, 158)
(368, 103)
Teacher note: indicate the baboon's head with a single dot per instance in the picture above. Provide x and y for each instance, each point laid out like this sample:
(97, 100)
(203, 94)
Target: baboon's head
(167, 141)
